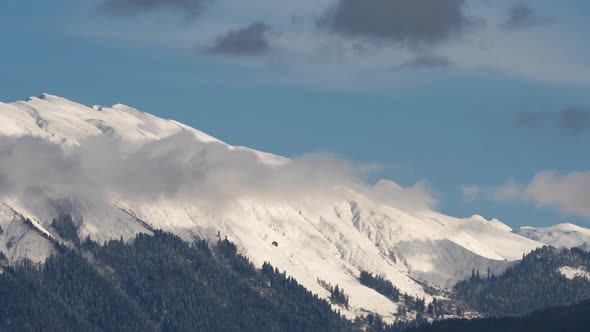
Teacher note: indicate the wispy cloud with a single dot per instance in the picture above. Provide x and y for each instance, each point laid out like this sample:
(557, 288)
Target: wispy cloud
(416, 197)
(192, 8)
(426, 61)
(572, 119)
(568, 192)
(520, 16)
(247, 41)
(470, 192)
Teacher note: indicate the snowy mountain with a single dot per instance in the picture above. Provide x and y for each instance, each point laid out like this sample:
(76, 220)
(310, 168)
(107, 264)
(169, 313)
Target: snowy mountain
(562, 235)
(119, 172)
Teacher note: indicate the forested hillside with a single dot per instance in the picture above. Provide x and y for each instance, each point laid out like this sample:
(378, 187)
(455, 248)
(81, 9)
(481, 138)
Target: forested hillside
(540, 280)
(158, 283)
(573, 318)
(162, 283)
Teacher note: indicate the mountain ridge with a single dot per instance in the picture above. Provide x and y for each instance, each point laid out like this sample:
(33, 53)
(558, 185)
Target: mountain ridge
(330, 237)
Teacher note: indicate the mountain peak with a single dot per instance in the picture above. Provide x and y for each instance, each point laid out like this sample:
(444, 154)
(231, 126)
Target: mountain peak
(492, 222)
(63, 121)
(561, 235)
(570, 227)
(45, 95)
(49, 97)
(565, 227)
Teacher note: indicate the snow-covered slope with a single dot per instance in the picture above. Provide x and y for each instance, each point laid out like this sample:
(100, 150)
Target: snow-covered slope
(574, 272)
(562, 235)
(63, 121)
(331, 238)
(19, 237)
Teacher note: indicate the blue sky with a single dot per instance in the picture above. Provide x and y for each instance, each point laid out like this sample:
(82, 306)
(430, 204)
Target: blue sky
(480, 103)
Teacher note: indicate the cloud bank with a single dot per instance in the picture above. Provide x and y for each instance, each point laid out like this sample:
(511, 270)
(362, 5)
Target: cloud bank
(183, 169)
(338, 38)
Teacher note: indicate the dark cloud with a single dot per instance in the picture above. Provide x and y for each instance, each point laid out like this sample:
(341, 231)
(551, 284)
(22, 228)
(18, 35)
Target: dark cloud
(427, 61)
(531, 119)
(522, 16)
(192, 8)
(572, 119)
(248, 41)
(575, 119)
(405, 21)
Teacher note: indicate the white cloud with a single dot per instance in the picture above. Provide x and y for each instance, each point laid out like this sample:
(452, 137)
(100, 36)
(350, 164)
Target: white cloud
(470, 192)
(416, 197)
(510, 191)
(568, 192)
(182, 168)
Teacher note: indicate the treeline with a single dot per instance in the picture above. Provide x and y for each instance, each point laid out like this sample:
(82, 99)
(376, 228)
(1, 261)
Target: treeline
(161, 283)
(337, 294)
(409, 304)
(65, 227)
(534, 283)
(380, 285)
